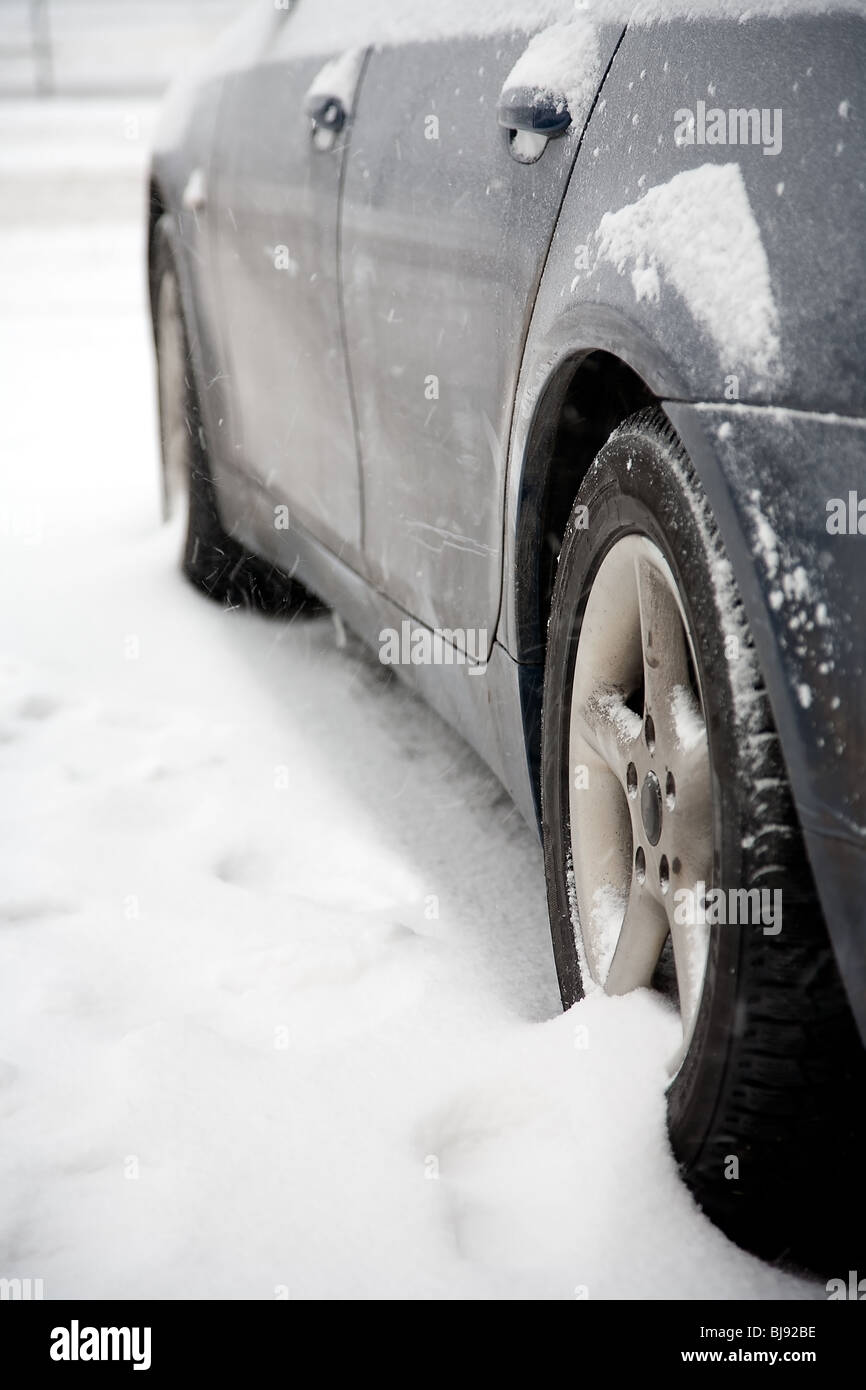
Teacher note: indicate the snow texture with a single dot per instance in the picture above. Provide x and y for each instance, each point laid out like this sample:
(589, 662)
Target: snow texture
(277, 1008)
(606, 917)
(316, 26)
(326, 25)
(627, 722)
(562, 62)
(688, 720)
(339, 78)
(699, 233)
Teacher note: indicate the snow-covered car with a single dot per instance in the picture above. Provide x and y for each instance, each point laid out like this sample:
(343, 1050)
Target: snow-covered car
(529, 337)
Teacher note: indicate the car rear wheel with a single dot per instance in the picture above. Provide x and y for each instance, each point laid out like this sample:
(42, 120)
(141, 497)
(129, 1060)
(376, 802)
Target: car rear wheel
(215, 562)
(674, 860)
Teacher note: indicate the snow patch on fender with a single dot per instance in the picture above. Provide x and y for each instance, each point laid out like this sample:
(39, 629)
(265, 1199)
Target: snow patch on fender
(699, 231)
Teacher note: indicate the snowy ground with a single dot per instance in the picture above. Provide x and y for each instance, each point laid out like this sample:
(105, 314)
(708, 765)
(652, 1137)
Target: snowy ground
(240, 1055)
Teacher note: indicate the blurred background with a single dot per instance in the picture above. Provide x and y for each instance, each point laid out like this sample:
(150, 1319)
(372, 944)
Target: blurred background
(94, 48)
(80, 82)
(80, 87)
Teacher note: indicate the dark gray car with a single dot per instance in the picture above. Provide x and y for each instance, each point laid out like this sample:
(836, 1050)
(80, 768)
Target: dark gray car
(529, 337)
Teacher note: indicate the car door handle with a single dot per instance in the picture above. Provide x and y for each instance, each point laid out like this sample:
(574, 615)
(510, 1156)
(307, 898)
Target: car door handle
(530, 117)
(326, 113)
(533, 111)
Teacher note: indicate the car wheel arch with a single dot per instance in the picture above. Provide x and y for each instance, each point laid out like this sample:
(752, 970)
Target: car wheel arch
(587, 395)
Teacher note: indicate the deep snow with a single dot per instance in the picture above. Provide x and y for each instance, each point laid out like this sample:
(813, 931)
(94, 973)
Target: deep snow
(240, 1053)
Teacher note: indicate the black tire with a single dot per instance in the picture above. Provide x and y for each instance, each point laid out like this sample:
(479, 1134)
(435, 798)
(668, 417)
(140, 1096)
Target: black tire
(213, 561)
(774, 1074)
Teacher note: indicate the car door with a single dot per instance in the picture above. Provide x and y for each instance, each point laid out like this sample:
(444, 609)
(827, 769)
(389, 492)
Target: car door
(278, 182)
(445, 230)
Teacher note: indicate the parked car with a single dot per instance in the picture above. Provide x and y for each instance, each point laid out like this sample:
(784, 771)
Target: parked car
(530, 338)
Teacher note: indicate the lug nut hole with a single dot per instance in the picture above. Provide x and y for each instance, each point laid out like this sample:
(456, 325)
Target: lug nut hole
(640, 865)
(664, 874)
(631, 780)
(649, 730)
(670, 791)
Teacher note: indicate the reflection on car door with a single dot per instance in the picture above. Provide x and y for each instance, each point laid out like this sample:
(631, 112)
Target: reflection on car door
(443, 243)
(277, 227)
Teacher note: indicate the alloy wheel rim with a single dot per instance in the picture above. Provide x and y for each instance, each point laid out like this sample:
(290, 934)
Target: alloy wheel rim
(640, 784)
